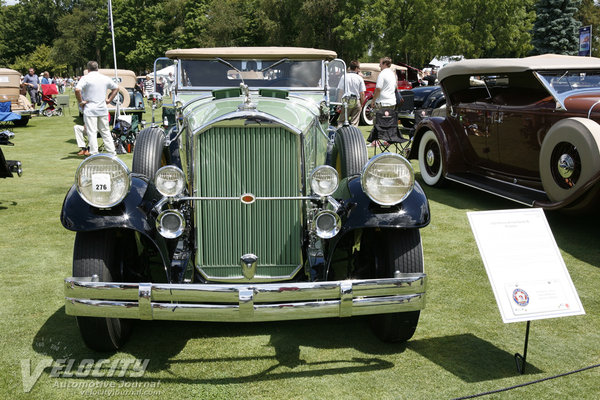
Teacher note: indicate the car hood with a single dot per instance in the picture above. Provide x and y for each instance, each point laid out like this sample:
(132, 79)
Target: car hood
(294, 112)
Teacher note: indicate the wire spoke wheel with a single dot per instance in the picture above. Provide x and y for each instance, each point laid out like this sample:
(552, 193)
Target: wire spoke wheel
(565, 165)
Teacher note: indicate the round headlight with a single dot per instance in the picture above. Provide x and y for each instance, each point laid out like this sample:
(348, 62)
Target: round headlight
(387, 179)
(169, 181)
(327, 224)
(170, 224)
(324, 180)
(102, 180)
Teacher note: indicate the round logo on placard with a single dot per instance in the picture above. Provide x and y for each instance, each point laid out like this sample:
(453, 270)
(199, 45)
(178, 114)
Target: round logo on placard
(521, 297)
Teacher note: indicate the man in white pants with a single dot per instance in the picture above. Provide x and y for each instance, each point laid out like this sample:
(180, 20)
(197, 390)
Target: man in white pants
(80, 134)
(91, 95)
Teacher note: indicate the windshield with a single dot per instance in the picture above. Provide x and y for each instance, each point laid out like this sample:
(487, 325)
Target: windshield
(255, 73)
(564, 81)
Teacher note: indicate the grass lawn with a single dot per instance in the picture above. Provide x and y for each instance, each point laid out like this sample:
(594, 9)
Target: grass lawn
(461, 346)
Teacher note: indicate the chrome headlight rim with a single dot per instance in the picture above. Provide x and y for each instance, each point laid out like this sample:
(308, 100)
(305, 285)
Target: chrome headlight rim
(320, 168)
(175, 169)
(112, 158)
(166, 233)
(374, 160)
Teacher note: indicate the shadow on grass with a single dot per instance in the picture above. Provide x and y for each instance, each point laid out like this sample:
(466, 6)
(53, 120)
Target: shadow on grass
(574, 234)
(4, 204)
(469, 358)
(463, 197)
(162, 341)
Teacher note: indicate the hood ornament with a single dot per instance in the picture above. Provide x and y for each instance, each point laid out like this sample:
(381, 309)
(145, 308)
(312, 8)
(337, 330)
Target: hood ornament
(249, 262)
(247, 105)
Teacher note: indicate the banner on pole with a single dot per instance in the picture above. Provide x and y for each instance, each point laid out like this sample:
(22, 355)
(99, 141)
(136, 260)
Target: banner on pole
(585, 41)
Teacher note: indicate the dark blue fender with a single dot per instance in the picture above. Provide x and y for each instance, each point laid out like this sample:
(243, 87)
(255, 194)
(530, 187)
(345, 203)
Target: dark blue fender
(359, 212)
(134, 212)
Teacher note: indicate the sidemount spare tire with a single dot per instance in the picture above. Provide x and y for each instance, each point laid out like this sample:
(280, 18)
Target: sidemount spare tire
(349, 152)
(123, 96)
(148, 152)
(569, 157)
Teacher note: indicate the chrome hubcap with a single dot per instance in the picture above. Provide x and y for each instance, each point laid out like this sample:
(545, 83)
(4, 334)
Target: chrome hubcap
(566, 166)
(430, 158)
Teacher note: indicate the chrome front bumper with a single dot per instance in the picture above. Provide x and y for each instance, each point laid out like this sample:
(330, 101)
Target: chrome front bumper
(241, 302)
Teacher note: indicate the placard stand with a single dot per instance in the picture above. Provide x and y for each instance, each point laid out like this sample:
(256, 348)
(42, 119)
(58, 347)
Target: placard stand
(521, 360)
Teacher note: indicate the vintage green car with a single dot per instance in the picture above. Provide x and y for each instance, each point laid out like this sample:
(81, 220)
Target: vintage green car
(249, 208)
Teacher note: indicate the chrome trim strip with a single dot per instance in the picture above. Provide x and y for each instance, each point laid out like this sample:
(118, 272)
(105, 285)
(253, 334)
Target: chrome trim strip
(239, 198)
(241, 279)
(244, 115)
(255, 302)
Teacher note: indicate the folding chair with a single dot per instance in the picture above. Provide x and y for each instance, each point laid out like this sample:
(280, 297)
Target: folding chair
(63, 101)
(386, 134)
(406, 110)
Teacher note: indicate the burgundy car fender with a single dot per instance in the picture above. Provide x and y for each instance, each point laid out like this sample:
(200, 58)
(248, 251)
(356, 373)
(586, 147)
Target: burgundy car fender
(448, 138)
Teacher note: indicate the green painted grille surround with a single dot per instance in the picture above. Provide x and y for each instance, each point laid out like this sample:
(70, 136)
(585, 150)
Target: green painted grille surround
(261, 160)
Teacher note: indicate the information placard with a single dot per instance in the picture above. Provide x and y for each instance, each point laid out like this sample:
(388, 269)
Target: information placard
(524, 265)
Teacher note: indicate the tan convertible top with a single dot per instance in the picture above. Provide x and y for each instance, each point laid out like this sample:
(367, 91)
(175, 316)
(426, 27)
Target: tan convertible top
(264, 53)
(506, 65)
(9, 78)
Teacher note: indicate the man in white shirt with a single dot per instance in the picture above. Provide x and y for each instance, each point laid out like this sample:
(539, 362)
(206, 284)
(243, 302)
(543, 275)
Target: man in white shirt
(91, 95)
(356, 88)
(384, 96)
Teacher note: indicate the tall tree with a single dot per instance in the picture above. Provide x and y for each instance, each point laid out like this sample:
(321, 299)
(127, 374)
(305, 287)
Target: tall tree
(555, 29)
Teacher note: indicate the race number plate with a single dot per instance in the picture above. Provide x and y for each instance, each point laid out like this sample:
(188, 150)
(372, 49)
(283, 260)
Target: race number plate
(101, 183)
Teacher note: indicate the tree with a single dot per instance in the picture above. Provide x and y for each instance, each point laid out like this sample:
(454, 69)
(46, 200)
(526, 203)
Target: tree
(41, 59)
(555, 29)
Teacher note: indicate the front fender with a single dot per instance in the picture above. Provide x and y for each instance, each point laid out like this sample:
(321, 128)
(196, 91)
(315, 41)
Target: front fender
(134, 212)
(446, 133)
(359, 211)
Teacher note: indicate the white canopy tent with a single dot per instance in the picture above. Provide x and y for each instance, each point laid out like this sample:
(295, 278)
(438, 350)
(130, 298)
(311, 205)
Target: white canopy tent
(165, 71)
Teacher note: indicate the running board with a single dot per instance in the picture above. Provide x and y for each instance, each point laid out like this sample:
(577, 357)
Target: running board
(509, 191)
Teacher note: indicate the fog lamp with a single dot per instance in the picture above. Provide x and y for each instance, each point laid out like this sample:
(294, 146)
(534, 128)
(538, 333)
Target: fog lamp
(324, 180)
(102, 180)
(327, 224)
(169, 181)
(387, 179)
(170, 224)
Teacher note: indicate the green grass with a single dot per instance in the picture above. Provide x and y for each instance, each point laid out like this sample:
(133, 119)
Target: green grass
(461, 346)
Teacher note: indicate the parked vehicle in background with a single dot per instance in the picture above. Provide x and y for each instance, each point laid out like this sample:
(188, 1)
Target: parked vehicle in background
(523, 129)
(10, 90)
(249, 208)
(370, 72)
(8, 167)
(426, 101)
(131, 99)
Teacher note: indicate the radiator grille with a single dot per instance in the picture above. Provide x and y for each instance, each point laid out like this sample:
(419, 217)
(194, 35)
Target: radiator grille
(263, 161)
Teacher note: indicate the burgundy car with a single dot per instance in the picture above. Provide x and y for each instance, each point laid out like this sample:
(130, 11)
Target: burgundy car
(523, 129)
(370, 72)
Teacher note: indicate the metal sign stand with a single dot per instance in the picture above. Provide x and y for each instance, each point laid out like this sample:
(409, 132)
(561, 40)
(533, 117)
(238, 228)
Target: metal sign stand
(521, 360)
